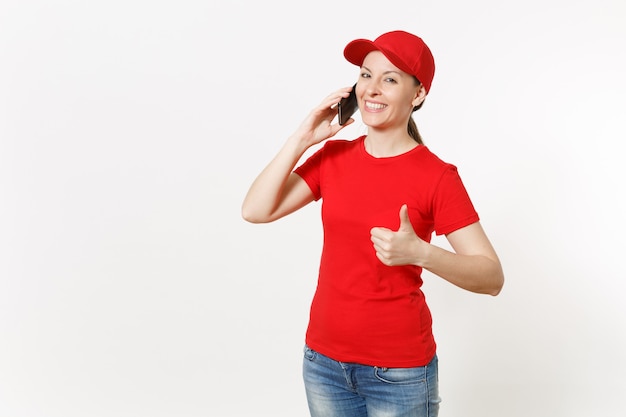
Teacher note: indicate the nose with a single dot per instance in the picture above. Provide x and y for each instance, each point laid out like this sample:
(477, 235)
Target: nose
(373, 88)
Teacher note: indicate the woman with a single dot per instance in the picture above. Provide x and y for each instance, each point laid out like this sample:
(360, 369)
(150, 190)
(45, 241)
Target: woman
(369, 345)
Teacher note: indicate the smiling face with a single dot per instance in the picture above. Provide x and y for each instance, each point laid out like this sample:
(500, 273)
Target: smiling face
(386, 94)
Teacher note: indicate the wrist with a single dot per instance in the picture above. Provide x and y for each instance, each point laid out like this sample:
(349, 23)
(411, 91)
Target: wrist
(422, 253)
(296, 144)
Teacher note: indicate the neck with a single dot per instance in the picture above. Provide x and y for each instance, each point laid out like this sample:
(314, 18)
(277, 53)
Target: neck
(381, 146)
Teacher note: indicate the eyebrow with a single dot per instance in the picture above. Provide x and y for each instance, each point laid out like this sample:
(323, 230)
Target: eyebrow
(386, 72)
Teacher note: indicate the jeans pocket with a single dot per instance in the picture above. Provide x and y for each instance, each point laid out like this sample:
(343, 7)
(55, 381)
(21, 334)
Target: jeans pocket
(400, 376)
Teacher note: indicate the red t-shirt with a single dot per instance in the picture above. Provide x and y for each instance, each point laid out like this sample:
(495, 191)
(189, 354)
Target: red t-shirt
(364, 311)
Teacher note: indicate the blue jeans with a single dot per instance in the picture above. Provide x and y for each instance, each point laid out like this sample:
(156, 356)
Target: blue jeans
(337, 389)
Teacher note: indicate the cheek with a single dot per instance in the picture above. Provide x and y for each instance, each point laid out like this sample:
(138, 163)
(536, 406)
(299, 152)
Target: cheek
(405, 100)
(405, 105)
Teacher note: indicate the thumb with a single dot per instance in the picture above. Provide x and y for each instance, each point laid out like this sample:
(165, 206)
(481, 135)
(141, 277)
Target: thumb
(405, 222)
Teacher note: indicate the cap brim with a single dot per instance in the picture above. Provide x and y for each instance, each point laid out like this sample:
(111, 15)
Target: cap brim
(356, 51)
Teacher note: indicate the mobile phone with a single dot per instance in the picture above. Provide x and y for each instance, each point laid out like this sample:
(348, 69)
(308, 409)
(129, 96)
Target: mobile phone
(347, 106)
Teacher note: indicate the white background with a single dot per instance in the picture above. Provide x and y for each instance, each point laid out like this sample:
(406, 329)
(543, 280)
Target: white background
(131, 130)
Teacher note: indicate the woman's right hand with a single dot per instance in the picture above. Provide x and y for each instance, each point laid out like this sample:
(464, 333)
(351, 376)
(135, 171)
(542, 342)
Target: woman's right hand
(278, 191)
(318, 126)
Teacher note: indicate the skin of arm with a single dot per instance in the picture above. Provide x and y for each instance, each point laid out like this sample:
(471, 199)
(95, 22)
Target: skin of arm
(277, 191)
(473, 266)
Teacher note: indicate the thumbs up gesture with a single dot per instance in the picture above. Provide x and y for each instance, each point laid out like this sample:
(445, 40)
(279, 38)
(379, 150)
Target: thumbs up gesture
(401, 247)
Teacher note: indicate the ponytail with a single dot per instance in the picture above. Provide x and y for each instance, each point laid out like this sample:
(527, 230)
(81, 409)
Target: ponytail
(412, 128)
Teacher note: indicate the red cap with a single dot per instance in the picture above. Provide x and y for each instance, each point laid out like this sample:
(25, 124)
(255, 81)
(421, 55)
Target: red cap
(405, 50)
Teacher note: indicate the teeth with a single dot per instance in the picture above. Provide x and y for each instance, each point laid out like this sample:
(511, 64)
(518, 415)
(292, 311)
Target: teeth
(374, 106)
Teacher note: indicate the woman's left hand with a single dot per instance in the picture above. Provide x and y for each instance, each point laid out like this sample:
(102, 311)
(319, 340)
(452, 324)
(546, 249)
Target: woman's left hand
(401, 247)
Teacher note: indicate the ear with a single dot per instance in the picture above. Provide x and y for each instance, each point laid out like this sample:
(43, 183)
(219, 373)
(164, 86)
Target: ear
(420, 96)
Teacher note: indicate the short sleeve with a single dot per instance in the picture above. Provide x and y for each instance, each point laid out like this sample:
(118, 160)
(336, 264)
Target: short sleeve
(310, 172)
(452, 207)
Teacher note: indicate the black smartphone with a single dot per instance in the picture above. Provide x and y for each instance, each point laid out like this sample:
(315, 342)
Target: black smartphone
(347, 106)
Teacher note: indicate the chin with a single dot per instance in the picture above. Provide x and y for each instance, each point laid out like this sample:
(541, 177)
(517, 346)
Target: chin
(371, 120)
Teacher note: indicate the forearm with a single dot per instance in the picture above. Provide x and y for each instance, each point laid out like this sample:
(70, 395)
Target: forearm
(475, 273)
(264, 195)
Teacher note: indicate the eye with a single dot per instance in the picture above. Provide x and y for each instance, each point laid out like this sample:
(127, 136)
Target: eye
(390, 80)
(365, 75)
